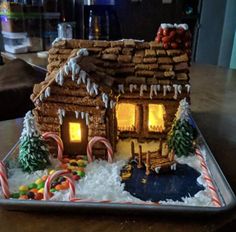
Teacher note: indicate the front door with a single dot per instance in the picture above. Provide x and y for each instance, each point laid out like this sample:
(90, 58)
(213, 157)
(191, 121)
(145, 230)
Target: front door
(74, 134)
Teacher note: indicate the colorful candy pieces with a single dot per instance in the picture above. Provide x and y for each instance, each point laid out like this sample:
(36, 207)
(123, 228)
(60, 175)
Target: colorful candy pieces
(33, 191)
(75, 166)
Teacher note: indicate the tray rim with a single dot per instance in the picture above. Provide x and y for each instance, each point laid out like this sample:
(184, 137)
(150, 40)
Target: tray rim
(26, 205)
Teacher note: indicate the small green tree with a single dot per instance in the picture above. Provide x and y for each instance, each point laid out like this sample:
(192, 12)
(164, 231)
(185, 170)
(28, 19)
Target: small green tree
(33, 154)
(182, 134)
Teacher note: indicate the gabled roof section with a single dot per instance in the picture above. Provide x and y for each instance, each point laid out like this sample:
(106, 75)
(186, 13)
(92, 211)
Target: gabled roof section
(114, 64)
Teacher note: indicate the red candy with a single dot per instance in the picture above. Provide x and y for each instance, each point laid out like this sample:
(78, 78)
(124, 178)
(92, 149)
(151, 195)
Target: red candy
(38, 196)
(165, 31)
(174, 37)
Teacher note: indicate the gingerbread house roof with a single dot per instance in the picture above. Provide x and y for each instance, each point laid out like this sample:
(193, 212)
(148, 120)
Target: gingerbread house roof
(117, 65)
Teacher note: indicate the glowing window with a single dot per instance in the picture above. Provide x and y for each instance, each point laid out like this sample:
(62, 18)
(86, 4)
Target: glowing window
(156, 115)
(75, 132)
(125, 116)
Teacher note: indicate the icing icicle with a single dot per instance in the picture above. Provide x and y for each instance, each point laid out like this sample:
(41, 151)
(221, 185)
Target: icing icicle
(105, 99)
(168, 87)
(82, 115)
(112, 104)
(164, 90)
(88, 85)
(95, 88)
(188, 87)
(153, 89)
(179, 89)
(75, 68)
(61, 114)
(66, 69)
(87, 118)
(82, 75)
(47, 92)
(121, 88)
(77, 114)
(132, 87)
(60, 77)
(91, 91)
(176, 91)
(142, 88)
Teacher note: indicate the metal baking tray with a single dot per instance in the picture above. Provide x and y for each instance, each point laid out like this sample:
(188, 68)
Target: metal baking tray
(225, 193)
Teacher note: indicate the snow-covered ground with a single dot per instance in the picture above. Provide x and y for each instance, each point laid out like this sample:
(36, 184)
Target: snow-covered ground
(103, 182)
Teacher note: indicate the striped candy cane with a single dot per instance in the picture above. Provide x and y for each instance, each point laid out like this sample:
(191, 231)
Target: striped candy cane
(101, 140)
(64, 173)
(208, 179)
(59, 142)
(4, 180)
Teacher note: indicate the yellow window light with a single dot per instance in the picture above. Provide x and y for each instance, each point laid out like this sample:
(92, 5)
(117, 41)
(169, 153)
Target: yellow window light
(156, 115)
(75, 132)
(125, 113)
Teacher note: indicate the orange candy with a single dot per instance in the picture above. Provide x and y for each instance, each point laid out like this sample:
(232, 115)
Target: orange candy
(23, 197)
(59, 187)
(34, 190)
(65, 184)
(44, 178)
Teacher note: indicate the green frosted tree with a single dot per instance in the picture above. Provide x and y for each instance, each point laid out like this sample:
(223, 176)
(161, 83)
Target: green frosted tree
(183, 133)
(33, 154)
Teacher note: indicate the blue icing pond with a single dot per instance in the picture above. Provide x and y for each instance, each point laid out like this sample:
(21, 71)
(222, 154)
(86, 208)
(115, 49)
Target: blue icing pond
(172, 185)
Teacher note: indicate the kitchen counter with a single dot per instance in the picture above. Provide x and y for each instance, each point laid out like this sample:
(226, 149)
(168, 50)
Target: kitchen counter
(214, 109)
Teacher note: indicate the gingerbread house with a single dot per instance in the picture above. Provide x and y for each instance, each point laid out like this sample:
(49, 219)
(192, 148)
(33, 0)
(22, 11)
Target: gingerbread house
(116, 89)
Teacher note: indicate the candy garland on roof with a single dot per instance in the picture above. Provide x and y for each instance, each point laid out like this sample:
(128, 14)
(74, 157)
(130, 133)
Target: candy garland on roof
(174, 36)
(33, 154)
(182, 134)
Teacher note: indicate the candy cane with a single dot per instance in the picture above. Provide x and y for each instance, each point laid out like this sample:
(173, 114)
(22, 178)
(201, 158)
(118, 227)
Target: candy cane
(48, 182)
(4, 180)
(101, 140)
(208, 179)
(116, 202)
(59, 142)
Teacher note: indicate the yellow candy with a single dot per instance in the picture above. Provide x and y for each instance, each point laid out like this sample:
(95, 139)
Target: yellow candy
(51, 172)
(73, 161)
(41, 190)
(38, 181)
(23, 188)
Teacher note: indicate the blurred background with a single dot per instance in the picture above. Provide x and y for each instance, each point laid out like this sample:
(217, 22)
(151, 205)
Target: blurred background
(32, 25)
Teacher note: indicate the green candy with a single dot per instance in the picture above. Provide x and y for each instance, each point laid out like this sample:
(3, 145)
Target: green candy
(53, 190)
(15, 195)
(32, 186)
(23, 192)
(41, 185)
(80, 173)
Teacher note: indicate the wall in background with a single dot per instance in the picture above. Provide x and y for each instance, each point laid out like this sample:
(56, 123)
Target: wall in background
(227, 39)
(210, 31)
(216, 33)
